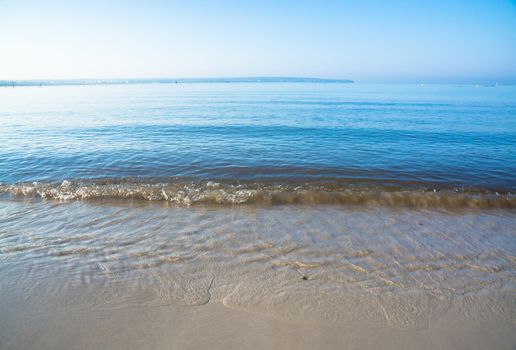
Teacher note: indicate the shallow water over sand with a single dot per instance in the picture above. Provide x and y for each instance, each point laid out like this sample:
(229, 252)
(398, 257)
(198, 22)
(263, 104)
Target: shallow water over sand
(329, 268)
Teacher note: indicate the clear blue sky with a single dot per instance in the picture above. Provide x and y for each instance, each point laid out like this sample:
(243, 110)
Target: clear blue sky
(361, 40)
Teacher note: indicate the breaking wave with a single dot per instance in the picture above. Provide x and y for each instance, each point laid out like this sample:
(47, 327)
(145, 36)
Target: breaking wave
(183, 193)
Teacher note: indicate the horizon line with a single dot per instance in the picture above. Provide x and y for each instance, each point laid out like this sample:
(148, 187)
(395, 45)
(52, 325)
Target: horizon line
(249, 79)
(241, 79)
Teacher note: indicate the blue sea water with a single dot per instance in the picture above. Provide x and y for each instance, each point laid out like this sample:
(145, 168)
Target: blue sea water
(432, 137)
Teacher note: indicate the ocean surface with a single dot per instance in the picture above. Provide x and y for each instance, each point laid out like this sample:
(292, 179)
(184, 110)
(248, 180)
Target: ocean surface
(257, 216)
(265, 143)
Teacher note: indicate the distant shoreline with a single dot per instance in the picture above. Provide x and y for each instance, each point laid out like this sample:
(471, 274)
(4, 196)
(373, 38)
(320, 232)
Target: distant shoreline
(61, 82)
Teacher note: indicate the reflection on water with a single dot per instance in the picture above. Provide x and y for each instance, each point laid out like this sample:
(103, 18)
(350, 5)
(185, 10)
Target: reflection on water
(440, 136)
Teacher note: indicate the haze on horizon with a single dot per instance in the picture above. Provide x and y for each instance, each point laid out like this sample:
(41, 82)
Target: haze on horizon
(432, 41)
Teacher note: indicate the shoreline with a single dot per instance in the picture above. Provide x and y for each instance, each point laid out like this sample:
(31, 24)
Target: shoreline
(118, 275)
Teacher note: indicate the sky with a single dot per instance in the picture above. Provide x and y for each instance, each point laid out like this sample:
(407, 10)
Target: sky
(370, 41)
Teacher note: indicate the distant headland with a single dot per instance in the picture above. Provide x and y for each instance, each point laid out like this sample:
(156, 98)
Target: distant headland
(58, 82)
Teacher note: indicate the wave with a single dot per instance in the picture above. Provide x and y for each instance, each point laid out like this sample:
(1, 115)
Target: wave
(183, 193)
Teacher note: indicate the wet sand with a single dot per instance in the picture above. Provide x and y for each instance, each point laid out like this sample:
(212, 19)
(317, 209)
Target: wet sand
(133, 275)
(214, 326)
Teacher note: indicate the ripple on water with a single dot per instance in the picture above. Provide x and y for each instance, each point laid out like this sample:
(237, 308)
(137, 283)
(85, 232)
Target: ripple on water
(331, 265)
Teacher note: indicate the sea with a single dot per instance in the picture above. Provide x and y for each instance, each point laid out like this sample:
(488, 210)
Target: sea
(304, 201)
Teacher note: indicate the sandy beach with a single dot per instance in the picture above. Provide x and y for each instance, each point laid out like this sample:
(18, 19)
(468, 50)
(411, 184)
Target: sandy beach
(214, 326)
